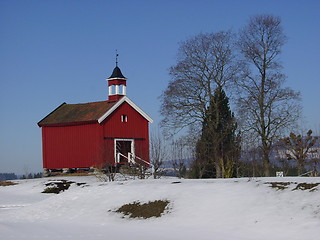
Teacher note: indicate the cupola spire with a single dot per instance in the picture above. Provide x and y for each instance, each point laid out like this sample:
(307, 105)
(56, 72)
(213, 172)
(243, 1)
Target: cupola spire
(117, 58)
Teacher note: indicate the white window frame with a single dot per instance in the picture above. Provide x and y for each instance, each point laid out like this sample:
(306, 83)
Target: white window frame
(124, 118)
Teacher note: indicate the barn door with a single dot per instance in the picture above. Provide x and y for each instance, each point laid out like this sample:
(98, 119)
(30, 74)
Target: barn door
(125, 147)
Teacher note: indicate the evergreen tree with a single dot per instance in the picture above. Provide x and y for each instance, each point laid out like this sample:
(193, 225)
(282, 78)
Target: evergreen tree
(218, 148)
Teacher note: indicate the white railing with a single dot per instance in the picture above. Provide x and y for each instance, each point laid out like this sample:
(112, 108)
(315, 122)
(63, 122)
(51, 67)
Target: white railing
(131, 159)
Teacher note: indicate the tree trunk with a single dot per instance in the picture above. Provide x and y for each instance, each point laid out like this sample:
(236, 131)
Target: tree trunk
(218, 170)
(266, 160)
(300, 167)
(266, 165)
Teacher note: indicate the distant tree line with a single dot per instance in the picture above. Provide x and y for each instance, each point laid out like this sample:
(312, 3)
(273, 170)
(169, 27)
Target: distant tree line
(13, 176)
(7, 176)
(32, 175)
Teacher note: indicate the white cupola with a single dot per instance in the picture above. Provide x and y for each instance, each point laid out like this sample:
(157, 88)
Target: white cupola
(117, 84)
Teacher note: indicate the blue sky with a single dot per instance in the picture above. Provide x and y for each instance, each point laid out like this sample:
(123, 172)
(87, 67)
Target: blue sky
(61, 51)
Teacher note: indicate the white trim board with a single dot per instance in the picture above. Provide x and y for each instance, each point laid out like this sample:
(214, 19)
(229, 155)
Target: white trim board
(132, 147)
(127, 100)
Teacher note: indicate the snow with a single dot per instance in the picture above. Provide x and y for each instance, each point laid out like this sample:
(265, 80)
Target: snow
(241, 209)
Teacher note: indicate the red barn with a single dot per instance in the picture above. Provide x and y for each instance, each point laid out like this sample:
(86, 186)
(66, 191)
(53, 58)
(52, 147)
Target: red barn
(105, 133)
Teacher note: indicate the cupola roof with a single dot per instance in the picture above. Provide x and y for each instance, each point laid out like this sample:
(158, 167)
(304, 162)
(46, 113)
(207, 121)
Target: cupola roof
(117, 74)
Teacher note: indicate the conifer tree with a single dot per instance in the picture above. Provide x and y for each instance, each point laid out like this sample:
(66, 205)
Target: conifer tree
(218, 148)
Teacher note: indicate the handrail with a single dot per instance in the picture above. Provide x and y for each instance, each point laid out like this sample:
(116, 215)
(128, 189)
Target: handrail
(132, 159)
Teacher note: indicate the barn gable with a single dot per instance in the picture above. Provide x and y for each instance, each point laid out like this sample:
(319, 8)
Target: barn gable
(117, 104)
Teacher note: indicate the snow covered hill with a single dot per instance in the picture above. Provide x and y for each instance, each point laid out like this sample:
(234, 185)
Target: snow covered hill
(222, 209)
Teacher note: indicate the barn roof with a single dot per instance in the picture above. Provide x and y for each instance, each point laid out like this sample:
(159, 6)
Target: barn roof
(86, 112)
(77, 113)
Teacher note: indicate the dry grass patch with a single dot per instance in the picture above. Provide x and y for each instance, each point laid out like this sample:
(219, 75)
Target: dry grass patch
(279, 185)
(306, 186)
(7, 183)
(146, 210)
(300, 186)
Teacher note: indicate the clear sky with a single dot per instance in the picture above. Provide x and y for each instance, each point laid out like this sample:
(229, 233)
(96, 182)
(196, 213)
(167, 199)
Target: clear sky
(62, 51)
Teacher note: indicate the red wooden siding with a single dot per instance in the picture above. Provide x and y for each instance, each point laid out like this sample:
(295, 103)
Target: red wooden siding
(72, 146)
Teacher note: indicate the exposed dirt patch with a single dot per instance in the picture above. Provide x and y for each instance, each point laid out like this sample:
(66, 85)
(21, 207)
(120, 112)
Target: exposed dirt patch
(279, 185)
(58, 186)
(146, 210)
(7, 183)
(300, 186)
(306, 186)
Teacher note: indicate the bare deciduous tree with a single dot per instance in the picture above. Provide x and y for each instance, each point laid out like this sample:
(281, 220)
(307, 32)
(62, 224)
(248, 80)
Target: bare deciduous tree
(104, 173)
(181, 153)
(298, 147)
(265, 106)
(159, 153)
(204, 62)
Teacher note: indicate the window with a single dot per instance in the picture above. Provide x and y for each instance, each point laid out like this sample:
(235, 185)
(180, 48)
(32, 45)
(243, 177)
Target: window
(124, 118)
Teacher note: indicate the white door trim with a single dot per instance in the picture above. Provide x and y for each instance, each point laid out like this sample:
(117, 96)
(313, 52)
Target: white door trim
(123, 139)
